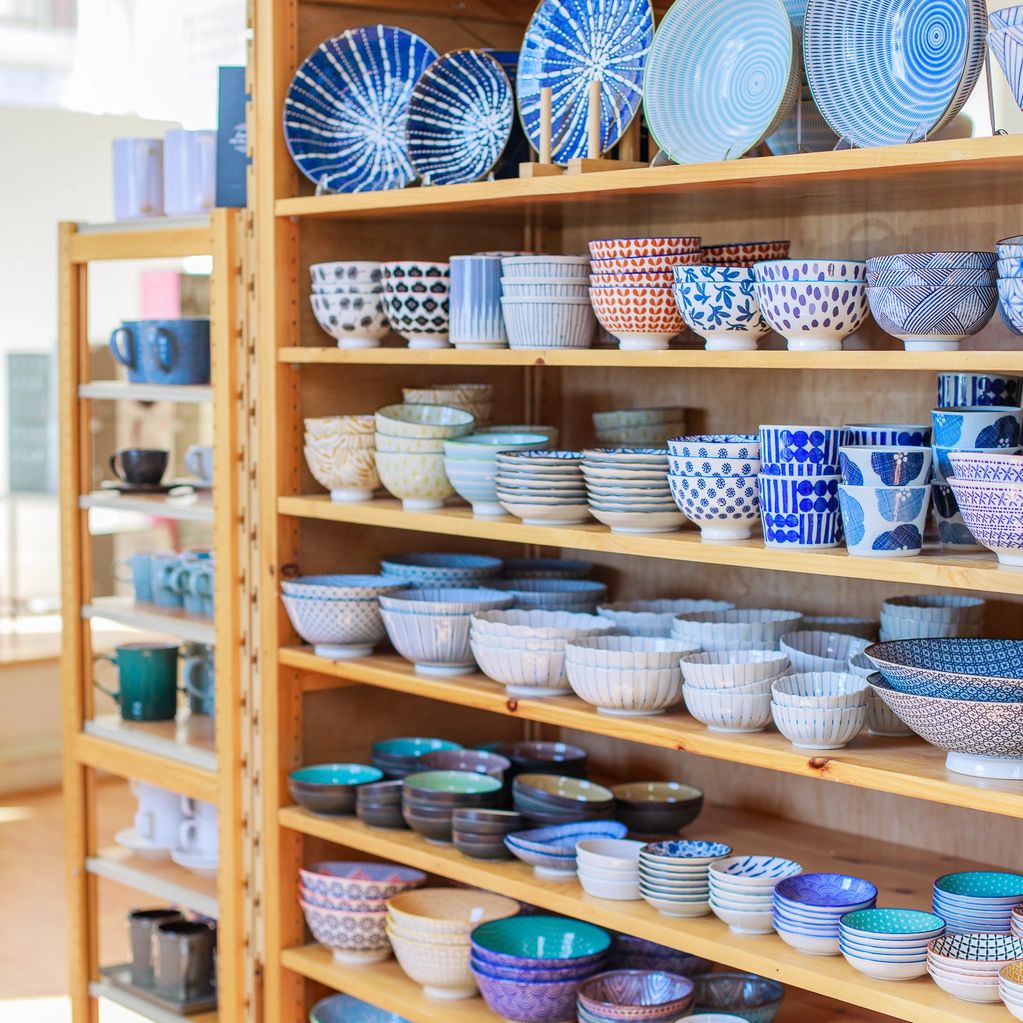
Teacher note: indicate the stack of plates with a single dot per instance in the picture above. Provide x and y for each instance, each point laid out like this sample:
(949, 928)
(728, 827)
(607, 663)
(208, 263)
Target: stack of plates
(543, 488)
(673, 876)
(628, 490)
(742, 891)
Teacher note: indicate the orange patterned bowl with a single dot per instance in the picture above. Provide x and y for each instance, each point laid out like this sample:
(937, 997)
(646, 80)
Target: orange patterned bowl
(643, 319)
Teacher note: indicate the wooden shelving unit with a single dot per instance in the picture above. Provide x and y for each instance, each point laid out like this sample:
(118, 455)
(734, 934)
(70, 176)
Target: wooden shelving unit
(195, 756)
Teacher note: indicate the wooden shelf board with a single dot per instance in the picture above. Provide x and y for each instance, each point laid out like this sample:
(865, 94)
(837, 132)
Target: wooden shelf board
(159, 238)
(146, 1010)
(121, 390)
(906, 767)
(188, 508)
(977, 572)
(152, 618)
(903, 877)
(163, 879)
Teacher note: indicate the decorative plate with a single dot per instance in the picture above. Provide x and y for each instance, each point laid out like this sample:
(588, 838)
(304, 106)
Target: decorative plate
(459, 118)
(741, 78)
(568, 44)
(345, 112)
(887, 72)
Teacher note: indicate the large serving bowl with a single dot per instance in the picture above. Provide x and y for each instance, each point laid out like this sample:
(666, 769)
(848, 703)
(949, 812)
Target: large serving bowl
(657, 807)
(738, 628)
(330, 788)
(932, 317)
(814, 650)
(749, 997)
(635, 996)
(337, 628)
(654, 617)
(726, 315)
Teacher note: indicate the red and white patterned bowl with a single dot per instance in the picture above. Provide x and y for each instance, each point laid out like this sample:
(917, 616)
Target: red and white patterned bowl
(617, 248)
(645, 264)
(744, 253)
(641, 280)
(641, 318)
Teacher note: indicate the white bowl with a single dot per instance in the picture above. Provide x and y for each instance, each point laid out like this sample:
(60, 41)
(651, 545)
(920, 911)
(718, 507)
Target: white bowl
(743, 921)
(726, 711)
(424, 421)
(811, 944)
(617, 891)
(418, 481)
(725, 630)
(815, 689)
(638, 523)
(729, 668)
(529, 673)
(819, 728)
(548, 322)
(623, 692)
(538, 624)
(349, 473)
(633, 653)
(945, 607)
(815, 650)
(534, 513)
(655, 617)
(676, 908)
(338, 629)
(609, 853)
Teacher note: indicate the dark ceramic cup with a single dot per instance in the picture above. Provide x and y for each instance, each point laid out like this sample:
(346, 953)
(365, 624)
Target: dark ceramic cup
(139, 465)
(141, 923)
(183, 959)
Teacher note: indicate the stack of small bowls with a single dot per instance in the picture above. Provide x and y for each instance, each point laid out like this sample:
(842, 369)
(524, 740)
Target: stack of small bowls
(977, 900)
(475, 761)
(798, 484)
(730, 690)
(348, 303)
(720, 304)
(737, 629)
(743, 254)
(543, 488)
(814, 304)
(988, 489)
(430, 626)
(1016, 921)
(967, 966)
(634, 996)
(338, 614)
(378, 805)
(416, 300)
(653, 808)
(410, 451)
(808, 907)
(851, 625)
(631, 288)
(345, 906)
(471, 466)
(429, 931)
(608, 868)
(638, 427)
(545, 303)
(330, 788)
(888, 944)
(626, 676)
(339, 451)
(819, 709)
(525, 650)
(428, 799)
(578, 596)
(561, 799)
(816, 650)
(932, 616)
(673, 876)
(655, 617)
(885, 496)
(881, 719)
(479, 833)
(1010, 278)
(750, 997)
(399, 757)
(551, 851)
(532, 756)
(1010, 988)
(742, 891)
(713, 479)
(902, 435)
(430, 568)
(529, 967)
(627, 490)
(933, 301)
(475, 398)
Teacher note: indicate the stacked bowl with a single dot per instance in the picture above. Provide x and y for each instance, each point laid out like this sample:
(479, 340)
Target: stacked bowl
(545, 303)
(816, 650)
(814, 304)
(399, 757)
(470, 464)
(410, 451)
(638, 427)
(673, 876)
(543, 488)
(626, 676)
(912, 435)
(378, 805)
(547, 568)
(808, 908)
(969, 390)
(650, 808)
(736, 629)
(430, 568)
(742, 891)
(561, 799)
(634, 996)
(819, 709)
(632, 953)
(330, 788)
(476, 761)
(529, 968)
(1016, 921)
(345, 906)
(347, 301)
(631, 288)
(428, 799)
(720, 304)
(531, 756)
(1010, 278)
(750, 997)
(798, 485)
(429, 931)
(416, 300)
(743, 254)
(525, 650)
(881, 719)
(988, 489)
(655, 617)
(339, 451)
(1010, 988)
(578, 596)
(338, 614)
(888, 944)
(628, 491)
(551, 851)
(931, 616)
(933, 301)
(730, 690)
(713, 479)
(475, 398)
(479, 833)
(967, 966)
(977, 900)
(608, 868)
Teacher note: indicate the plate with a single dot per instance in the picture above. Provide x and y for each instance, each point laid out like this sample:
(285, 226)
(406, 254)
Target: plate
(346, 107)
(568, 44)
(460, 118)
(887, 72)
(742, 78)
(198, 863)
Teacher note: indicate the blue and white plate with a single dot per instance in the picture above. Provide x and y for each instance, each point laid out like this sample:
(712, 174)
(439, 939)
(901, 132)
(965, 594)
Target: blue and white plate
(567, 45)
(740, 81)
(345, 112)
(459, 118)
(887, 72)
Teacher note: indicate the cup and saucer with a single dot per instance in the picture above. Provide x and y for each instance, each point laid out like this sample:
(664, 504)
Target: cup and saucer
(140, 471)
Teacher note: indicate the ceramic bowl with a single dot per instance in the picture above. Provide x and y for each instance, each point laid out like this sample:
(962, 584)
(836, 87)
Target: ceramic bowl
(530, 756)
(661, 263)
(624, 691)
(993, 513)
(888, 435)
(346, 271)
(442, 569)
(715, 631)
(423, 422)
(338, 629)
(813, 316)
(525, 671)
(800, 513)
(448, 787)
(816, 447)
(346, 1009)
(330, 788)
(354, 938)
(727, 669)
(443, 971)
(545, 266)
(616, 248)
(726, 508)
(553, 594)
(524, 1001)
(349, 473)
(850, 625)
(932, 318)
(537, 627)
(878, 466)
(356, 319)
(824, 895)
(1010, 303)
(560, 791)
(654, 617)
(744, 253)
(641, 318)
(339, 587)
(410, 269)
(719, 445)
(405, 752)
(821, 270)
(421, 317)
(814, 650)
(447, 911)
(657, 807)
(727, 315)
(477, 761)
(408, 445)
(632, 996)
(630, 653)
(552, 850)
(931, 260)
(480, 821)
(884, 523)
(545, 941)
(728, 711)
(819, 727)
(576, 289)
(712, 273)
(631, 953)
(749, 873)
(547, 568)
(634, 417)
(947, 277)
(995, 426)
(548, 322)
(752, 998)
(972, 389)
(986, 466)
(815, 689)
(418, 481)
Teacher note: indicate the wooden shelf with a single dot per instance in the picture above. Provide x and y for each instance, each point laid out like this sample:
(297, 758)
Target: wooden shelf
(906, 767)
(146, 1010)
(152, 618)
(161, 238)
(903, 877)
(196, 507)
(121, 390)
(977, 572)
(163, 879)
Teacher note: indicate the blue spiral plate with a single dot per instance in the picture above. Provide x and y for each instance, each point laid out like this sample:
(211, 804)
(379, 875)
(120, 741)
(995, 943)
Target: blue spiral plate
(568, 44)
(887, 72)
(460, 118)
(721, 77)
(345, 112)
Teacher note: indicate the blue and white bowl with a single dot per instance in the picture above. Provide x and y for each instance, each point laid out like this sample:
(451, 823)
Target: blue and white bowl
(340, 587)
(715, 445)
(884, 522)
(819, 727)
(816, 447)
(943, 607)
(739, 628)
(800, 512)
(346, 1009)
(712, 273)
(993, 427)
(977, 900)
(654, 617)
(551, 851)
(742, 890)
(726, 508)
(942, 460)
(808, 908)
(873, 465)
(475, 316)
(729, 710)
(814, 689)
(946, 277)
(912, 261)
(932, 319)
(715, 466)
(786, 271)
(471, 466)
(441, 569)
(953, 533)
(904, 435)
(959, 390)
(986, 466)
(726, 316)
(813, 316)
(731, 669)
(548, 322)
(338, 629)
(1010, 303)
(577, 595)
(993, 513)
(817, 650)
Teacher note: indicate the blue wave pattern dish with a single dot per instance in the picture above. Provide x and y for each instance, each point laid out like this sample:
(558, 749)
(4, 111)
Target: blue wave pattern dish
(345, 111)
(887, 72)
(568, 44)
(459, 118)
(741, 79)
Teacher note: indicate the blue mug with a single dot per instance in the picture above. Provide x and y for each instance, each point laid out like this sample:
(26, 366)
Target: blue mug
(137, 570)
(200, 679)
(176, 351)
(126, 349)
(164, 572)
(192, 580)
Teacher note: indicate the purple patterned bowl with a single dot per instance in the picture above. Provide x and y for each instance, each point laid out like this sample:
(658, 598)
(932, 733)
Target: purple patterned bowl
(824, 892)
(631, 996)
(351, 880)
(813, 316)
(520, 1001)
(833, 270)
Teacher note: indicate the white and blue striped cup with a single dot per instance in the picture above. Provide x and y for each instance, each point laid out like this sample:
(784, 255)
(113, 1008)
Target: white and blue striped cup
(476, 319)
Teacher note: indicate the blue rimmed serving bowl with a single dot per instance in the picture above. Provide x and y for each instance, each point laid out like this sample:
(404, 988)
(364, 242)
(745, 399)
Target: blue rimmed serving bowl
(330, 788)
(551, 851)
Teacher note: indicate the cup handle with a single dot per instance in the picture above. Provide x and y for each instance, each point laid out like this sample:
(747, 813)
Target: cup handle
(188, 806)
(118, 472)
(172, 575)
(122, 565)
(114, 695)
(202, 584)
(191, 686)
(124, 354)
(187, 833)
(165, 349)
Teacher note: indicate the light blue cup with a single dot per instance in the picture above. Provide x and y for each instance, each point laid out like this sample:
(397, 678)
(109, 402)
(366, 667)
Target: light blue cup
(198, 676)
(138, 178)
(476, 319)
(189, 172)
(137, 570)
(163, 571)
(193, 580)
(884, 522)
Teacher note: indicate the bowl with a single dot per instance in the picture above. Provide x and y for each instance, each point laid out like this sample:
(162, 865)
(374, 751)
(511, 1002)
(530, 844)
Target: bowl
(433, 422)
(726, 315)
(642, 318)
(815, 689)
(972, 389)
(714, 631)
(726, 508)
(746, 995)
(813, 316)
(530, 756)
(547, 941)
(810, 270)
(443, 971)
(631, 953)
(356, 319)
(631, 996)
(654, 617)
(336, 628)
(346, 1009)
(876, 465)
(548, 322)
(819, 727)
(626, 692)
(994, 426)
(447, 911)
(793, 446)
(727, 710)
(330, 788)
(418, 481)
(545, 266)
(354, 938)
(800, 513)
(715, 445)
(744, 253)
(462, 760)
(993, 513)
(617, 248)
(447, 787)
(931, 318)
(442, 569)
(657, 807)
(986, 466)
(362, 271)
(552, 850)
(348, 472)
(731, 668)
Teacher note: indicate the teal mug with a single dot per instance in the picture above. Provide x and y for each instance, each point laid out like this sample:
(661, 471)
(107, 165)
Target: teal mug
(147, 680)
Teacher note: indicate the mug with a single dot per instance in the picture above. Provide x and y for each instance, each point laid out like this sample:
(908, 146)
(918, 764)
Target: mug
(477, 320)
(141, 923)
(163, 573)
(199, 679)
(183, 959)
(137, 570)
(138, 178)
(176, 351)
(192, 579)
(197, 833)
(158, 815)
(125, 348)
(199, 462)
(189, 172)
(147, 680)
(139, 465)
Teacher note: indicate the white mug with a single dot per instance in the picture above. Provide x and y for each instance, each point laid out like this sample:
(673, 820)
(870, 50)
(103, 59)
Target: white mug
(198, 832)
(189, 172)
(158, 816)
(199, 462)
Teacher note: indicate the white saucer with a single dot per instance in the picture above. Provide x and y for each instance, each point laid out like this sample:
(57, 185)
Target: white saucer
(129, 838)
(198, 863)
